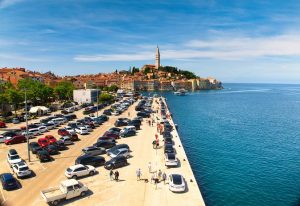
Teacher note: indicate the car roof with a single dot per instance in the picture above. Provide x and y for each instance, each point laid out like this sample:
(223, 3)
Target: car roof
(7, 176)
(70, 182)
(177, 178)
(76, 166)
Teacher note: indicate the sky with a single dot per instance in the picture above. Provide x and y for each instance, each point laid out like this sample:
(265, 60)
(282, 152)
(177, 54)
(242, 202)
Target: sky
(253, 41)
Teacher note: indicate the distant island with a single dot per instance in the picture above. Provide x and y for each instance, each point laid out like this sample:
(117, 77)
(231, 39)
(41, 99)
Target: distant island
(151, 77)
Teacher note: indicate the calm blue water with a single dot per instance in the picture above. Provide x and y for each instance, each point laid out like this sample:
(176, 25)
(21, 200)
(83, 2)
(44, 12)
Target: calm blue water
(243, 143)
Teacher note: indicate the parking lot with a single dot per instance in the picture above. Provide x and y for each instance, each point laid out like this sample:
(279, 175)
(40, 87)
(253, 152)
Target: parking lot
(103, 191)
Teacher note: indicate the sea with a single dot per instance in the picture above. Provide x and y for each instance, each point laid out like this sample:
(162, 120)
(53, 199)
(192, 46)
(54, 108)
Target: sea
(243, 143)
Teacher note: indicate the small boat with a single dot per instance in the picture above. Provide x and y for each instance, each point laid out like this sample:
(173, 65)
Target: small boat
(180, 92)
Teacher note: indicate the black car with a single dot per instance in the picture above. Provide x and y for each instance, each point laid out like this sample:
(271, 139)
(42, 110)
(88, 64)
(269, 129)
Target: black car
(43, 155)
(168, 148)
(167, 134)
(120, 123)
(143, 114)
(105, 144)
(114, 129)
(168, 140)
(107, 139)
(107, 112)
(103, 117)
(34, 147)
(128, 133)
(136, 123)
(116, 162)
(52, 149)
(90, 160)
(9, 182)
(60, 145)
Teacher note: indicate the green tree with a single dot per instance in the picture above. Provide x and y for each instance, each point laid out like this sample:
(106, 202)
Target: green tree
(15, 97)
(113, 88)
(147, 70)
(104, 97)
(64, 90)
(3, 101)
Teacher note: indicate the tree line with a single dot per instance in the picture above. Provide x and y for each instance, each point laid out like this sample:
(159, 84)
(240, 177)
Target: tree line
(37, 93)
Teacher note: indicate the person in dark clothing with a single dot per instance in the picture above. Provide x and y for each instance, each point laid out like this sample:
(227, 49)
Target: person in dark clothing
(117, 175)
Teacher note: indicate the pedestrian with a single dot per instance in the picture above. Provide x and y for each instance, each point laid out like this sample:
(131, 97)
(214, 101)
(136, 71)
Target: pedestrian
(153, 178)
(111, 175)
(117, 175)
(159, 174)
(128, 114)
(164, 177)
(149, 166)
(138, 174)
(152, 123)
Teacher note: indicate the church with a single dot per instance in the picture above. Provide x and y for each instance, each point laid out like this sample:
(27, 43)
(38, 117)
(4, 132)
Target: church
(155, 66)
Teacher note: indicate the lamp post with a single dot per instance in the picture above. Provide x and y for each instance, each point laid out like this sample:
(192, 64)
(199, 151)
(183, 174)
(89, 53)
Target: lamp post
(97, 100)
(26, 114)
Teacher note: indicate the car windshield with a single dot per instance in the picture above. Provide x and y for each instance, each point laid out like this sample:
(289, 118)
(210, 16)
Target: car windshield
(177, 179)
(15, 157)
(69, 170)
(23, 168)
(171, 156)
(115, 152)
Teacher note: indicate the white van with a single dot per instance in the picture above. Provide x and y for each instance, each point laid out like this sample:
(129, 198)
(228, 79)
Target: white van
(59, 121)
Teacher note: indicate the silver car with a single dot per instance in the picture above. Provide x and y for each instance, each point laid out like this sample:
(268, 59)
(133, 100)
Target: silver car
(93, 151)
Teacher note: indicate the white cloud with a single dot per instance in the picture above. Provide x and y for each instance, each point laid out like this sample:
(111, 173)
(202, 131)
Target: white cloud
(7, 3)
(228, 48)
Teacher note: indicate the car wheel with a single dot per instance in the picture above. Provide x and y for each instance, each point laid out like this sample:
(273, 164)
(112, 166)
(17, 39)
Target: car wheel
(55, 202)
(74, 177)
(92, 173)
(82, 194)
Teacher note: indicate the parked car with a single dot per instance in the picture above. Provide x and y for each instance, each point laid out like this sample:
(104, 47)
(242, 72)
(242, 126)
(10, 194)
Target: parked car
(114, 129)
(50, 139)
(43, 129)
(116, 162)
(73, 136)
(62, 132)
(128, 131)
(171, 160)
(66, 140)
(176, 183)
(9, 182)
(90, 160)
(93, 151)
(2, 124)
(168, 148)
(82, 130)
(119, 152)
(50, 125)
(107, 112)
(89, 127)
(68, 189)
(43, 142)
(104, 144)
(13, 157)
(52, 149)
(15, 120)
(33, 132)
(120, 123)
(15, 139)
(60, 145)
(119, 146)
(80, 170)
(114, 135)
(21, 169)
(107, 139)
(137, 123)
(43, 155)
(34, 147)
(168, 140)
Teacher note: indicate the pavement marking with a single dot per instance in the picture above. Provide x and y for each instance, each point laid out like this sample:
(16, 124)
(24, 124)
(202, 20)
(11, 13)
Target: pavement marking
(2, 194)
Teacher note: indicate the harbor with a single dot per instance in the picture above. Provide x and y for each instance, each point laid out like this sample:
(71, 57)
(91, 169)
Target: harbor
(103, 190)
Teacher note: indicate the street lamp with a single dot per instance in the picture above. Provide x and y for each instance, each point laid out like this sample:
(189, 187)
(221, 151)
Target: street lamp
(26, 114)
(97, 100)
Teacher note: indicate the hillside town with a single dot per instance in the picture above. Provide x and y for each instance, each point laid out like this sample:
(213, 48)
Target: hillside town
(150, 77)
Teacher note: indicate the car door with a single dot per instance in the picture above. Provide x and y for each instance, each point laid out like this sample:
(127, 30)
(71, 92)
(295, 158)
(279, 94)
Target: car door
(71, 192)
(82, 171)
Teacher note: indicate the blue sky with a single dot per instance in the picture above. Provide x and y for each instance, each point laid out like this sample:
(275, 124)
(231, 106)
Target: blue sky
(232, 40)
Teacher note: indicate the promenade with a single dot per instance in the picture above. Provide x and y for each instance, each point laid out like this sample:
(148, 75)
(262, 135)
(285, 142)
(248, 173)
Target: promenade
(128, 191)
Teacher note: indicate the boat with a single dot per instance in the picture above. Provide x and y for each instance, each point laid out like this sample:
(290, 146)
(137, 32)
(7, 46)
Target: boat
(180, 92)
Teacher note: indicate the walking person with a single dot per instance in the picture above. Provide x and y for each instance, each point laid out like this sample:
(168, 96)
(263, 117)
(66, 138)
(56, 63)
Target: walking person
(111, 175)
(159, 174)
(164, 177)
(117, 175)
(149, 166)
(128, 114)
(138, 174)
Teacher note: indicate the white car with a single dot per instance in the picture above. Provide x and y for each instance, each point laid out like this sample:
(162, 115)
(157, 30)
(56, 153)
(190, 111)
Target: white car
(81, 130)
(119, 152)
(89, 128)
(171, 160)
(43, 129)
(21, 169)
(66, 140)
(54, 122)
(70, 129)
(176, 183)
(49, 126)
(79, 171)
(13, 159)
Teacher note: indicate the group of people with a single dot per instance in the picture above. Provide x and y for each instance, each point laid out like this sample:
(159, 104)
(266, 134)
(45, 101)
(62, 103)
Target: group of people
(114, 175)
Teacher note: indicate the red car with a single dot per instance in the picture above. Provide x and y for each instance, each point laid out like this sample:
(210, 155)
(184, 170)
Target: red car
(15, 139)
(63, 132)
(50, 139)
(43, 142)
(73, 136)
(111, 135)
(2, 124)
